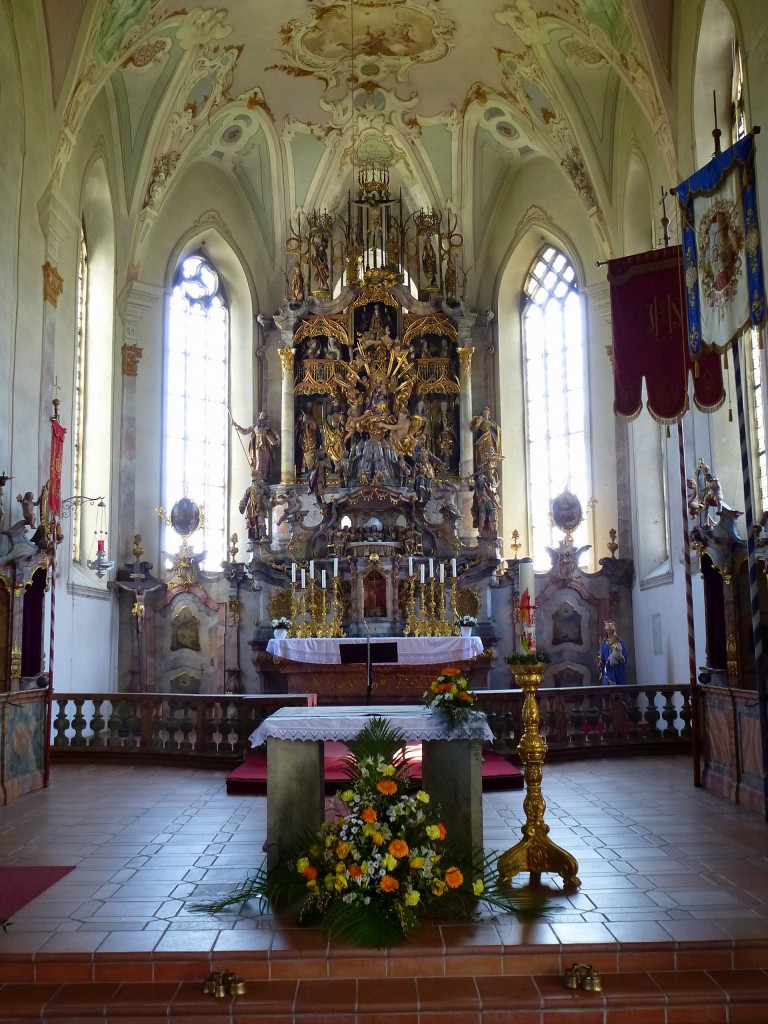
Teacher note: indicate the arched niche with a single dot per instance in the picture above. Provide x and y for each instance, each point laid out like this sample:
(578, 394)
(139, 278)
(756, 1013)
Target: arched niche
(712, 78)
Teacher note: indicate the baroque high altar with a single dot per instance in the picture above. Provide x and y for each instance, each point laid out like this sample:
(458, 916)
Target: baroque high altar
(374, 504)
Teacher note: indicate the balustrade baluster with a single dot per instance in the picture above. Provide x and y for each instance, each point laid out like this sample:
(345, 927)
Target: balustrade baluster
(78, 723)
(669, 714)
(576, 722)
(686, 713)
(97, 722)
(651, 716)
(61, 723)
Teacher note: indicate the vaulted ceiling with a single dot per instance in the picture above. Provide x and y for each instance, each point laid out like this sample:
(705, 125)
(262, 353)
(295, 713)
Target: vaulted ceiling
(454, 96)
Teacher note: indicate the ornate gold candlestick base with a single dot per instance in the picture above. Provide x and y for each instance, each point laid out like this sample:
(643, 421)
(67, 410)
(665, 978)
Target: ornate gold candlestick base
(535, 852)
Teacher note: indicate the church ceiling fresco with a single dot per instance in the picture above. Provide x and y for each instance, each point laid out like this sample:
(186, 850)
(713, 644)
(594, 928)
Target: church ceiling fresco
(289, 97)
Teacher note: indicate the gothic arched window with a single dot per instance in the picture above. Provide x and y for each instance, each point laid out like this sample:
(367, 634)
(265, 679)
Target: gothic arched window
(555, 388)
(196, 395)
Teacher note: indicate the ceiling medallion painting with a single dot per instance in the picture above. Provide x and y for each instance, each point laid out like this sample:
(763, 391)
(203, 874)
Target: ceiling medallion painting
(379, 38)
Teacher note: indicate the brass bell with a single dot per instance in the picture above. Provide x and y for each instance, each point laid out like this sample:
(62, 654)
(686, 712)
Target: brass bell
(237, 987)
(592, 982)
(572, 977)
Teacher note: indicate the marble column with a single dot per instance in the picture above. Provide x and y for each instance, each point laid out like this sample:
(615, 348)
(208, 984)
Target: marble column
(466, 459)
(287, 426)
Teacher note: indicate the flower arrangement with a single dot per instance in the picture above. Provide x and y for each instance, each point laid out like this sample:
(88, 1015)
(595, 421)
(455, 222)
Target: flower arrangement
(466, 620)
(383, 860)
(282, 622)
(450, 694)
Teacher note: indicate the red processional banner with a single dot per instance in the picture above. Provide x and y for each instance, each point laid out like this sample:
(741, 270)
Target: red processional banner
(58, 433)
(650, 340)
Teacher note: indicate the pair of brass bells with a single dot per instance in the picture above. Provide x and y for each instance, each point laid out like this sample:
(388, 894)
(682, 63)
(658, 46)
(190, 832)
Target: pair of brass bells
(583, 976)
(223, 983)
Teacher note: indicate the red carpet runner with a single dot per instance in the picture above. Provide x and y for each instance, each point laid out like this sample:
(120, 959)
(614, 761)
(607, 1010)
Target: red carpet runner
(250, 778)
(20, 885)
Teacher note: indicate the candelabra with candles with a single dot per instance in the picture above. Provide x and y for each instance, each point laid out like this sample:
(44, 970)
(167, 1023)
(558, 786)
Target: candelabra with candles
(431, 617)
(313, 604)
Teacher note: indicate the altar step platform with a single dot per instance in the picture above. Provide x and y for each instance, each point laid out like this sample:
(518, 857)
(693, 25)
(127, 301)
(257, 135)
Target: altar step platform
(250, 778)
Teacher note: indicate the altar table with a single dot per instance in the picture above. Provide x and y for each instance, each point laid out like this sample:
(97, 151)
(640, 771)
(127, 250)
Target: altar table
(451, 766)
(411, 650)
(297, 665)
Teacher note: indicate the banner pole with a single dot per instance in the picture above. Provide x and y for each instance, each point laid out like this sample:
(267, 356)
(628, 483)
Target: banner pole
(754, 597)
(692, 677)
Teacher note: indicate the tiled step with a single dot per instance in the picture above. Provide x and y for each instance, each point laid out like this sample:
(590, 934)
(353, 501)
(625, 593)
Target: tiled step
(679, 997)
(674, 983)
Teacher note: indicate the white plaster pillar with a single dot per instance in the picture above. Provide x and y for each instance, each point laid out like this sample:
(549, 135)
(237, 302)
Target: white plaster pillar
(466, 459)
(138, 306)
(58, 227)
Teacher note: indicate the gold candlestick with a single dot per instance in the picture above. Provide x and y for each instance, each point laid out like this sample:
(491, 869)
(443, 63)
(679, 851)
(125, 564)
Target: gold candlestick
(535, 852)
(410, 619)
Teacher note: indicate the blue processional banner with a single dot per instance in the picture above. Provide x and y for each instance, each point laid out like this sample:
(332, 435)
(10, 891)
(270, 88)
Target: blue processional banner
(722, 251)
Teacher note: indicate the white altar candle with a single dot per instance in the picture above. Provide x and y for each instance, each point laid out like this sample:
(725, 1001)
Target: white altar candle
(453, 567)
(312, 568)
(410, 565)
(293, 572)
(303, 578)
(442, 573)
(431, 568)
(422, 572)
(335, 567)
(322, 578)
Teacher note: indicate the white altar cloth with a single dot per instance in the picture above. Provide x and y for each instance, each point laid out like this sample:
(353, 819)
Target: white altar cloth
(411, 650)
(344, 723)
(451, 767)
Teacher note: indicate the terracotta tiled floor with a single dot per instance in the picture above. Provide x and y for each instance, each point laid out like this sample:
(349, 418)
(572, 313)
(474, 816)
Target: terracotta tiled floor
(672, 912)
(659, 861)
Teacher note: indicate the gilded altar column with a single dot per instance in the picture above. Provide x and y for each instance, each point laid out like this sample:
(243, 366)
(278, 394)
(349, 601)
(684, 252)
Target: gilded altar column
(287, 459)
(466, 461)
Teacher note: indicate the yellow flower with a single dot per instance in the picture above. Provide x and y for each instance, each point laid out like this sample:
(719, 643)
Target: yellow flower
(301, 864)
(341, 867)
(478, 887)
(347, 795)
(390, 862)
(433, 831)
(389, 771)
(412, 898)
(438, 887)
(422, 797)
(416, 863)
(340, 883)
(330, 882)
(377, 838)
(342, 849)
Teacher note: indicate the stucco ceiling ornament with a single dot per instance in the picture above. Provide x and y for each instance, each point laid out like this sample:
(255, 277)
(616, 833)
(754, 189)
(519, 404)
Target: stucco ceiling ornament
(375, 40)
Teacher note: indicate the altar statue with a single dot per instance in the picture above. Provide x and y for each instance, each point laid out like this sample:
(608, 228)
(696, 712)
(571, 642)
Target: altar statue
(487, 445)
(485, 505)
(319, 475)
(446, 435)
(255, 506)
(333, 434)
(612, 657)
(306, 430)
(263, 442)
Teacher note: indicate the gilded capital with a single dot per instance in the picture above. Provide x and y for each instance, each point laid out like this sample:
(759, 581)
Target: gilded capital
(465, 358)
(53, 284)
(286, 358)
(131, 356)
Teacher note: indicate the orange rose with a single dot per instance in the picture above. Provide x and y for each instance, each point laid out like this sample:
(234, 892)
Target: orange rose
(441, 829)
(389, 884)
(387, 787)
(355, 871)
(310, 873)
(451, 672)
(444, 687)
(369, 815)
(453, 878)
(398, 848)
(463, 695)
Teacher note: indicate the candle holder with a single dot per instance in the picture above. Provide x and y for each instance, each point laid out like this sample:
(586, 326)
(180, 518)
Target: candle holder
(535, 852)
(336, 626)
(410, 618)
